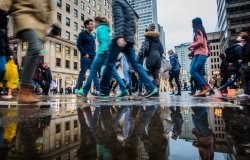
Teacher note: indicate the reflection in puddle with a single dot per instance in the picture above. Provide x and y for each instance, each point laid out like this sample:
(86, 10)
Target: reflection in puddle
(74, 131)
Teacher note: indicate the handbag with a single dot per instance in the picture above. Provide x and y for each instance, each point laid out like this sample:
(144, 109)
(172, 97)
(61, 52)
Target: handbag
(11, 75)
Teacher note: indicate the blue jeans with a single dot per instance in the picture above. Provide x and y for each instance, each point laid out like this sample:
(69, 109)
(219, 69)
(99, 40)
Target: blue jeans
(197, 69)
(2, 66)
(95, 67)
(85, 65)
(131, 56)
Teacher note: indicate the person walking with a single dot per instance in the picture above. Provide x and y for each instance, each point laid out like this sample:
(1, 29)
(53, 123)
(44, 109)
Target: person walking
(87, 47)
(153, 52)
(46, 78)
(123, 40)
(175, 72)
(200, 50)
(31, 20)
(223, 71)
(103, 35)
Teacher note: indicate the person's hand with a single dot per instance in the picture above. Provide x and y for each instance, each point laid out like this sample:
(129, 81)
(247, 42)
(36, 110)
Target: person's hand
(55, 31)
(86, 56)
(11, 57)
(190, 48)
(121, 42)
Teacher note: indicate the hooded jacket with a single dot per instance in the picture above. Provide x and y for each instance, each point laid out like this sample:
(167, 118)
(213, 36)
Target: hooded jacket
(103, 35)
(153, 43)
(124, 20)
(176, 67)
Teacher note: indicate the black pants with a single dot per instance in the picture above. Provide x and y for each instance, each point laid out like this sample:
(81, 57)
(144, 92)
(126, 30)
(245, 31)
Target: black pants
(245, 76)
(194, 85)
(175, 76)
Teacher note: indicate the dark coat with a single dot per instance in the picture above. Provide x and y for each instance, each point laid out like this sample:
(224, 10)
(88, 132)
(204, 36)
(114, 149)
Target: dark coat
(176, 67)
(224, 68)
(153, 43)
(124, 20)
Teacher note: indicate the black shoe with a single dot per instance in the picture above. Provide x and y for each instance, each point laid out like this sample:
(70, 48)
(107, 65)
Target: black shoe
(178, 94)
(191, 93)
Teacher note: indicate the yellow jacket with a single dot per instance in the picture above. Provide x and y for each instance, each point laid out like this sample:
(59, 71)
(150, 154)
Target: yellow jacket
(31, 14)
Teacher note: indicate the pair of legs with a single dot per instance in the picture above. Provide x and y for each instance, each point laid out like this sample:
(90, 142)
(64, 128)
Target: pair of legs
(197, 69)
(85, 65)
(175, 76)
(131, 56)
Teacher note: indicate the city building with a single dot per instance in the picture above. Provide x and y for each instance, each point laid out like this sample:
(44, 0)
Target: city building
(182, 52)
(214, 60)
(162, 36)
(61, 52)
(233, 16)
(147, 11)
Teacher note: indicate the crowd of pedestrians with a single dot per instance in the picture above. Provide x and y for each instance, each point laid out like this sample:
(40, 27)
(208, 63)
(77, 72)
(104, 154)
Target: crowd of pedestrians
(113, 61)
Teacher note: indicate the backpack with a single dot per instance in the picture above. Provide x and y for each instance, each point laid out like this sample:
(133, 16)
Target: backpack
(165, 66)
(231, 54)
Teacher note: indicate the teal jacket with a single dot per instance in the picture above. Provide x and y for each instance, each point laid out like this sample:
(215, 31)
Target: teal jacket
(103, 36)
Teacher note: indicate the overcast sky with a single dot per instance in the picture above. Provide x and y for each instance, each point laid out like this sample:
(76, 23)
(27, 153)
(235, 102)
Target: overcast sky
(176, 16)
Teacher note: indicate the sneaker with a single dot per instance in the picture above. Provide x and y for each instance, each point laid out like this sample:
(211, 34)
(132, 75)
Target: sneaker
(80, 93)
(7, 97)
(122, 94)
(153, 92)
(96, 93)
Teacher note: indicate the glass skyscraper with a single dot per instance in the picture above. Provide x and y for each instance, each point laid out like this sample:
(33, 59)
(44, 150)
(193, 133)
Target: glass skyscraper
(147, 11)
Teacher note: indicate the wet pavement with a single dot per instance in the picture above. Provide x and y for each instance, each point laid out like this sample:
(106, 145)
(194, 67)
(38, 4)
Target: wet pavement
(131, 128)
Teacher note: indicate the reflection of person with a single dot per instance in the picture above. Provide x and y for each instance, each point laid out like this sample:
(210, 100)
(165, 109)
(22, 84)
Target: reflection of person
(204, 134)
(31, 126)
(177, 119)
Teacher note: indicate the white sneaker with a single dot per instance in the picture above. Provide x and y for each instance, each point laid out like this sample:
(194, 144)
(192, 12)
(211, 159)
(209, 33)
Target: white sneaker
(7, 97)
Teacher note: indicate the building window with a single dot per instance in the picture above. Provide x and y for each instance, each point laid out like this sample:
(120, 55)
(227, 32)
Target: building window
(75, 123)
(67, 7)
(67, 64)
(58, 48)
(75, 13)
(75, 38)
(67, 140)
(59, 3)
(67, 35)
(82, 17)
(57, 143)
(67, 21)
(59, 17)
(88, 10)
(58, 128)
(67, 50)
(76, 2)
(75, 26)
(82, 5)
(76, 138)
(67, 124)
(75, 53)
(94, 14)
(58, 62)
(24, 46)
(99, 7)
(75, 66)
(94, 3)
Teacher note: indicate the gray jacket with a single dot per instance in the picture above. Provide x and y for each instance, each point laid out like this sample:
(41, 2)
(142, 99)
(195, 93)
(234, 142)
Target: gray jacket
(124, 20)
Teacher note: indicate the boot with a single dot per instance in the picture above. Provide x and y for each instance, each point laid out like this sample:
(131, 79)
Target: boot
(204, 90)
(25, 95)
